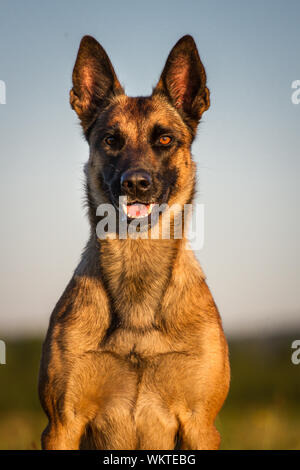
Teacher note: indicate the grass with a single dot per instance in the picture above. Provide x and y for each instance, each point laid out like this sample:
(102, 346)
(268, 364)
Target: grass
(262, 410)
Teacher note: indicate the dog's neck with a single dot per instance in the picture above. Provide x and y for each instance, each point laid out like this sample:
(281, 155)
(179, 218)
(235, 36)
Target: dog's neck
(136, 274)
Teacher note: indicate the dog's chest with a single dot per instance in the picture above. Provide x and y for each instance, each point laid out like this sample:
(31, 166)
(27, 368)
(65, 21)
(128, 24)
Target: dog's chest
(138, 347)
(145, 386)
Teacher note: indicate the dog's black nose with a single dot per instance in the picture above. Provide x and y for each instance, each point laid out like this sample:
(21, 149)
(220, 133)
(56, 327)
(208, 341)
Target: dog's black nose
(136, 182)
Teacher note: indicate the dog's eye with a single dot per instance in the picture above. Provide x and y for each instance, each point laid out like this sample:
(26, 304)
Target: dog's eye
(165, 140)
(110, 140)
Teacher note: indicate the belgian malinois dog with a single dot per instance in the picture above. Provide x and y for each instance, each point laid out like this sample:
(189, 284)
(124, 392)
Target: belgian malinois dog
(135, 355)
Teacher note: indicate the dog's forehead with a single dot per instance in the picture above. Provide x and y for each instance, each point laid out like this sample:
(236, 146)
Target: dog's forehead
(139, 114)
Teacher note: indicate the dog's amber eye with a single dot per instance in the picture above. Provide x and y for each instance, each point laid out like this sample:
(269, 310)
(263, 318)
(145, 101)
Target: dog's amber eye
(165, 140)
(110, 140)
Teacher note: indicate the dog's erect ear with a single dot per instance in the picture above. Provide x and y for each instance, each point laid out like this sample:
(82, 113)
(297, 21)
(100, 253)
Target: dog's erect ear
(94, 81)
(183, 80)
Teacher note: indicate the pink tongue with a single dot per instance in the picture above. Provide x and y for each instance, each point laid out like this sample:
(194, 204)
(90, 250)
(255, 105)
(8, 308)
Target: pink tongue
(137, 210)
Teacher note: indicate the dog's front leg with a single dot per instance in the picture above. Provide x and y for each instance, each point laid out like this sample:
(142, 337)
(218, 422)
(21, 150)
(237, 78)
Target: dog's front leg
(68, 417)
(99, 388)
(71, 399)
(197, 433)
(63, 435)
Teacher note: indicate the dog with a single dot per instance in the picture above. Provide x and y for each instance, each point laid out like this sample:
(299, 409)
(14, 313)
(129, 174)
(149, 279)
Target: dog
(135, 356)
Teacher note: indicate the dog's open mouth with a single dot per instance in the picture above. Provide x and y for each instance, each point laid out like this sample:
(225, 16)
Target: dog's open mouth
(137, 210)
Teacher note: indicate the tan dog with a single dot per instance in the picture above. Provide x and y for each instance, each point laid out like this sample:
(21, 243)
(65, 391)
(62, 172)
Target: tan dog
(135, 356)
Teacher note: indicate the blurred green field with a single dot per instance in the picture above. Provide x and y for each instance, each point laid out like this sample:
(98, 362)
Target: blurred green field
(262, 410)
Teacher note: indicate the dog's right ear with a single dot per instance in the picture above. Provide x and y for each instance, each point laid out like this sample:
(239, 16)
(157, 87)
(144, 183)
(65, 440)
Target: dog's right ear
(94, 81)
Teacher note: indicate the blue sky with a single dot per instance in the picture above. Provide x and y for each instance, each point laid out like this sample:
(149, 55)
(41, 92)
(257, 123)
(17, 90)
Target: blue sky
(247, 147)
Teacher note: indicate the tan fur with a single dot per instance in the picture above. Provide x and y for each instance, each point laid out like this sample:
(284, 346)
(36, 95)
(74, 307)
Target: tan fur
(135, 356)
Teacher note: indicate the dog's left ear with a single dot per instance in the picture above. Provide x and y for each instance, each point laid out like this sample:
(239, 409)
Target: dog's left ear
(183, 80)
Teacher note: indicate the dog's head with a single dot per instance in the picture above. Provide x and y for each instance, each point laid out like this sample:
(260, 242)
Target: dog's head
(139, 147)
